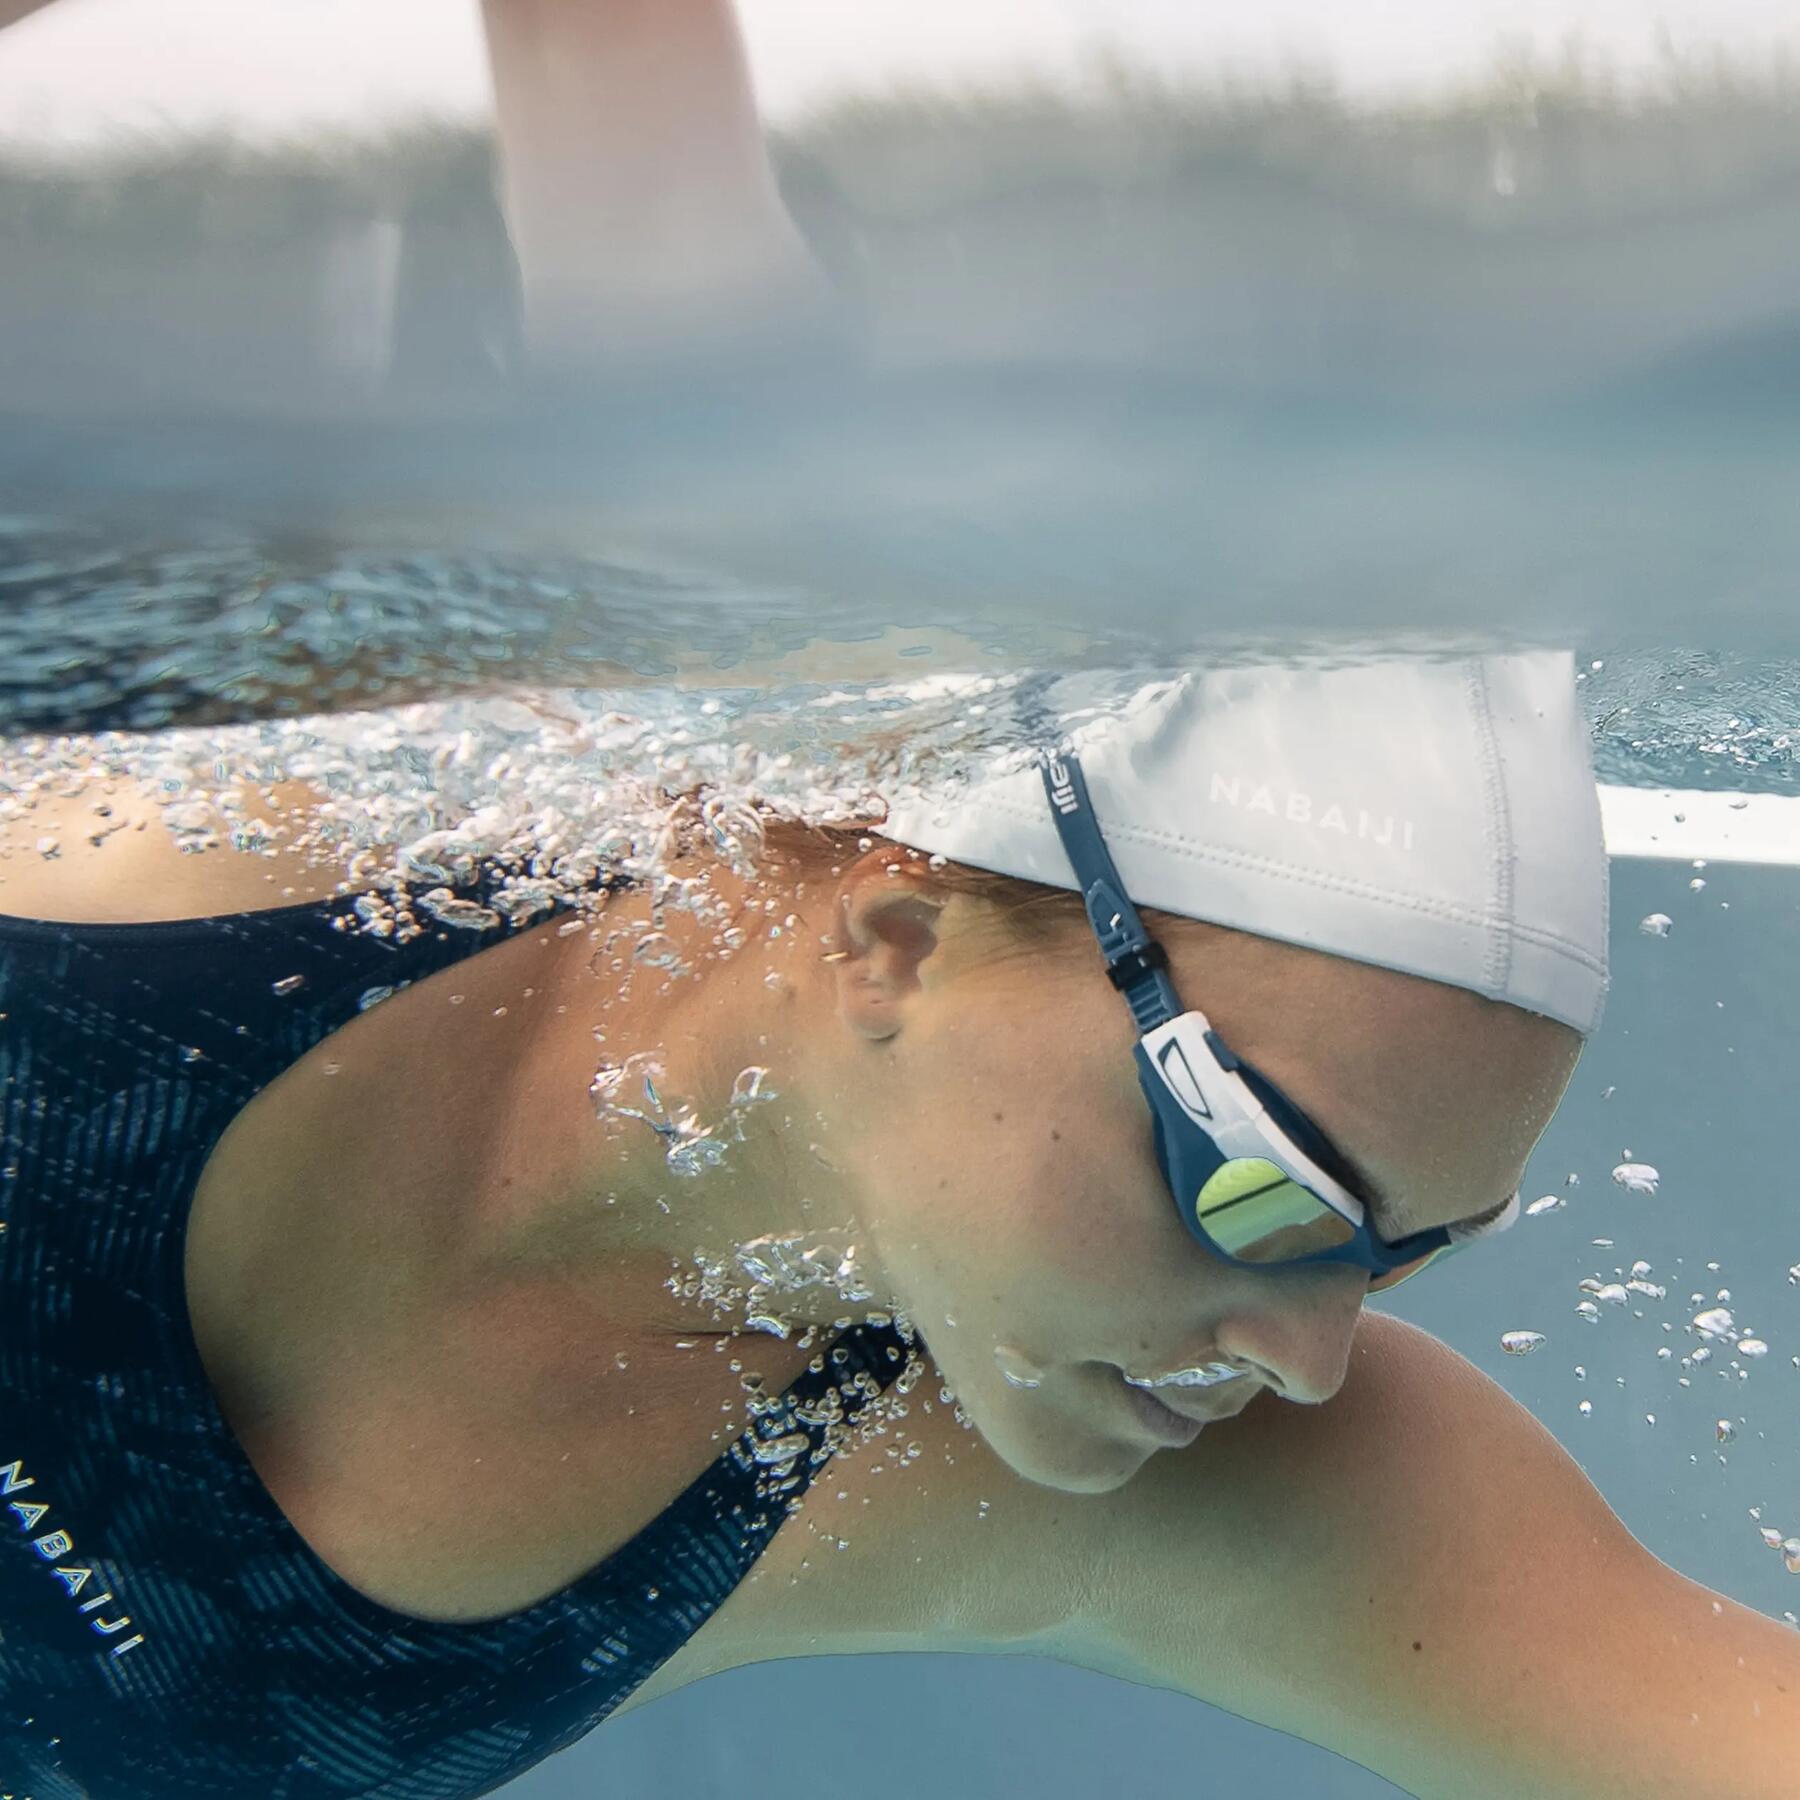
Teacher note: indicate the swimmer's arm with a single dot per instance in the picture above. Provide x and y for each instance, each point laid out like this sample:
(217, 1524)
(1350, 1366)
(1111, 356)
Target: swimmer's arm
(638, 190)
(1422, 1580)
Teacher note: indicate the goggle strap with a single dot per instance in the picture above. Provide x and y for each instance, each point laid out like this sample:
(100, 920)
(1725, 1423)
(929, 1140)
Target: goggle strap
(1136, 963)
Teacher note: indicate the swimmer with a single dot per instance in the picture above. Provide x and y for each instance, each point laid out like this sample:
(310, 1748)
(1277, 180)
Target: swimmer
(356, 1441)
(353, 1426)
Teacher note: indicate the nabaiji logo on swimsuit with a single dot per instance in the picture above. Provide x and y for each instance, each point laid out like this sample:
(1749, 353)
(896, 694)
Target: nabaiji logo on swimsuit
(1302, 809)
(54, 1547)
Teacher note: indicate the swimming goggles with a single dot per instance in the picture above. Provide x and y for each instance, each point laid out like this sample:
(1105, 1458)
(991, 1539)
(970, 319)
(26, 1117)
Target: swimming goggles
(1253, 1178)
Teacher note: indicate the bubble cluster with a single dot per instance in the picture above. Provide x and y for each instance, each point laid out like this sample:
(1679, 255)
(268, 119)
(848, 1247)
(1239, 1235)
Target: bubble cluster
(635, 1089)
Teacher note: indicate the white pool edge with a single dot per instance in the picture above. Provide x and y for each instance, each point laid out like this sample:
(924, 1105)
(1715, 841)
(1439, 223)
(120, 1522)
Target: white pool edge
(1683, 823)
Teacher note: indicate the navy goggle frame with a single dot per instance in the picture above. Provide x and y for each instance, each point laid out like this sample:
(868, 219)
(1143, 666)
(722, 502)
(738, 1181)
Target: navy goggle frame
(1253, 1178)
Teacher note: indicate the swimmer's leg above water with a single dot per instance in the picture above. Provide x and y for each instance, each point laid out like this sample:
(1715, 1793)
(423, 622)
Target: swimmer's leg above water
(639, 194)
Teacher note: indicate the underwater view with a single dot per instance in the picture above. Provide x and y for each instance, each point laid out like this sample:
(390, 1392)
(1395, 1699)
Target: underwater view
(901, 905)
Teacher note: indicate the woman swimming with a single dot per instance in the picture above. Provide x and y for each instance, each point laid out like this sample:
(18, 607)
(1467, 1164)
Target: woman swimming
(357, 1442)
(378, 1422)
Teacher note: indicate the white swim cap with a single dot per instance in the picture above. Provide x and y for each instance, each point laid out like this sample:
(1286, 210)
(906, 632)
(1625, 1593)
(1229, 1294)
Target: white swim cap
(1436, 817)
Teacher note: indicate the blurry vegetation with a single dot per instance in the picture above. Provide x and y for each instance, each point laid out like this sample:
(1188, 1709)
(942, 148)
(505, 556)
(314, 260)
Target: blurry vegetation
(1578, 133)
(1535, 140)
(1273, 230)
(161, 193)
(170, 272)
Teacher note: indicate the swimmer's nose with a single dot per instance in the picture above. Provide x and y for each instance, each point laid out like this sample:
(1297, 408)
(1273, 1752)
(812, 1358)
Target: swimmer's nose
(1300, 1348)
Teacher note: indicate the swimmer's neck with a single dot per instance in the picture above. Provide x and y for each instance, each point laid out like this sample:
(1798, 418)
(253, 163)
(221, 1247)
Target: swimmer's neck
(702, 1173)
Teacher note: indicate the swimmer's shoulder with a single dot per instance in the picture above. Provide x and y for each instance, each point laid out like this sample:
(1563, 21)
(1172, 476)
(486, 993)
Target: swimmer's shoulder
(105, 853)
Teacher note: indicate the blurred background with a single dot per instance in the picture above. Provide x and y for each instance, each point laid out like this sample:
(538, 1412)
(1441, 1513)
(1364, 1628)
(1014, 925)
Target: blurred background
(289, 206)
(1146, 297)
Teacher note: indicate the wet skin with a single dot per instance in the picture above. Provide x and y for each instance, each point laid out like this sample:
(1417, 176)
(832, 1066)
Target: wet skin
(959, 1101)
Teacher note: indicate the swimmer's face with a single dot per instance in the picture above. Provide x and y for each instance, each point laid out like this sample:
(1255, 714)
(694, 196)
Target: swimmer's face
(988, 1107)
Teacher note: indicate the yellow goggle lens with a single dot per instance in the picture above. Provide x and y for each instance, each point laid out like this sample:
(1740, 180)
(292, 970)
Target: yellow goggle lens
(1255, 1212)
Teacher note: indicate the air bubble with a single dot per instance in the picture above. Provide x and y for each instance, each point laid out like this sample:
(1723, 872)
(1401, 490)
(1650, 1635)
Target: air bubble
(1202, 1375)
(751, 1086)
(1611, 1292)
(459, 914)
(1017, 1369)
(1636, 1177)
(773, 1451)
(1520, 1343)
(1656, 925)
(1548, 1203)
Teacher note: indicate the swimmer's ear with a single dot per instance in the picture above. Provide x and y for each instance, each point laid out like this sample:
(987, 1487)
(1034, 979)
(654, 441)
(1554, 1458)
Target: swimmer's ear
(887, 924)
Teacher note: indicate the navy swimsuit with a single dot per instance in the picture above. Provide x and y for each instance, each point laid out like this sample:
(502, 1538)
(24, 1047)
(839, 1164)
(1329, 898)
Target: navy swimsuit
(165, 1633)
